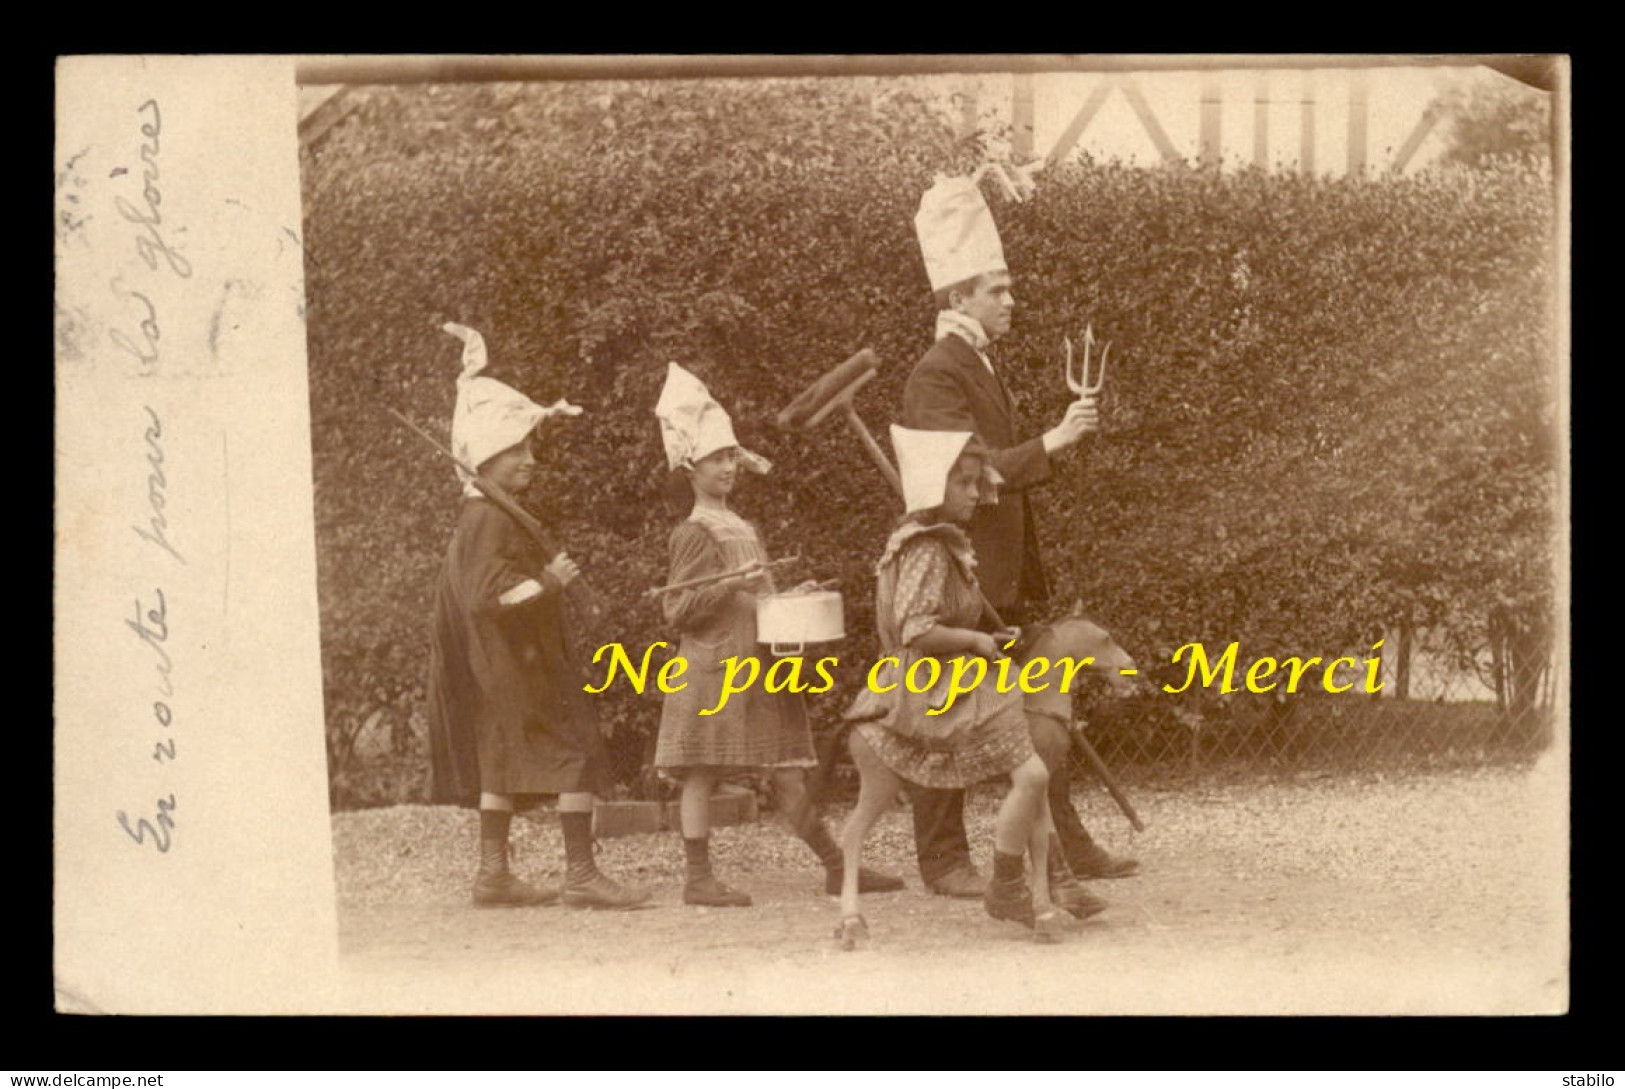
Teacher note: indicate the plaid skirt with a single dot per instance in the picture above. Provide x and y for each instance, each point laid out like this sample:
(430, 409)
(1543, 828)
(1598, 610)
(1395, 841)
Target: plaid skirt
(995, 745)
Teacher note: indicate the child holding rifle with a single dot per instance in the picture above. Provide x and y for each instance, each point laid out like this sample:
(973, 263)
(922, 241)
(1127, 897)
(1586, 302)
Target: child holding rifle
(754, 731)
(508, 720)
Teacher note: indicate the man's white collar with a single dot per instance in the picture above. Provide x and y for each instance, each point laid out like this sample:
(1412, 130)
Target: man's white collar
(968, 329)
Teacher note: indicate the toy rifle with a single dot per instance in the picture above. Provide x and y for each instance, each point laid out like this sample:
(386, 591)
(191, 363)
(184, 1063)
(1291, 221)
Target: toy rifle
(576, 591)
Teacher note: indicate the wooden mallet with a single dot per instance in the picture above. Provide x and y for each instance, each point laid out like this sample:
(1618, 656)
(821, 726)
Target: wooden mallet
(834, 392)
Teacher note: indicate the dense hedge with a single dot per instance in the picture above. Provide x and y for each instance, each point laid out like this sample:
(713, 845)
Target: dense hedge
(1331, 403)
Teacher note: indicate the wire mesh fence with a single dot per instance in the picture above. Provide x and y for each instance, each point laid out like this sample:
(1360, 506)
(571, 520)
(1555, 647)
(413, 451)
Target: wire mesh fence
(1453, 710)
(1449, 715)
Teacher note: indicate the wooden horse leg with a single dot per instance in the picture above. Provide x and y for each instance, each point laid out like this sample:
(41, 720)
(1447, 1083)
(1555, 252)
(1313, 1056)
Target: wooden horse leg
(1047, 920)
(877, 790)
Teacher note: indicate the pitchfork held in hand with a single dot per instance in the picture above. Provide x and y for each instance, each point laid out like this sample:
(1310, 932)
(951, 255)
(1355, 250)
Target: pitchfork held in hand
(1082, 385)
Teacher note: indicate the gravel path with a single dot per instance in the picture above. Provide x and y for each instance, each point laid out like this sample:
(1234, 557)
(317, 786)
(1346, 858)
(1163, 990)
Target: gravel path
(1437, 894)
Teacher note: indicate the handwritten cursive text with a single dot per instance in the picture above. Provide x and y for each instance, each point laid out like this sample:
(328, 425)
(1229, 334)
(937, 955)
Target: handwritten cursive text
(146, 351)
(157, 483)
(151, 626)
(150, 242)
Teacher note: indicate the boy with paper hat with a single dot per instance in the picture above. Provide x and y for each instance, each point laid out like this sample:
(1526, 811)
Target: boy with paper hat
(956, 387)
(490, 416)
(927, 607)
(753, 731)
(508, 720)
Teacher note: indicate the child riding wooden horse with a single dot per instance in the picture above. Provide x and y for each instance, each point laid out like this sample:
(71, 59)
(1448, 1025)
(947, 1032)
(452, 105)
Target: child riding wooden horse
(927, 606)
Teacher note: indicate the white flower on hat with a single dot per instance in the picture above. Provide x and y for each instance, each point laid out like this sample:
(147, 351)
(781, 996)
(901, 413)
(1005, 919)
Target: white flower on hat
(693, 425)
(924, 460)
(490, 415)
(958, 237)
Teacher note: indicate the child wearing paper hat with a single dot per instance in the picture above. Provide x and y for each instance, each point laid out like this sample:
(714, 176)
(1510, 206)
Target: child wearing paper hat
(927, 605)
(755, 730)
(508, 720)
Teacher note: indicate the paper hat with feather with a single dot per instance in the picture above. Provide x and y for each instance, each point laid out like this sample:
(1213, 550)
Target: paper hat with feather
(958, 237)
(693, 425)
(925, 458)
(490, 415)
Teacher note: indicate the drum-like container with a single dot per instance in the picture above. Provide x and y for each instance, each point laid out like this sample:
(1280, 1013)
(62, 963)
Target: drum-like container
(790, 621)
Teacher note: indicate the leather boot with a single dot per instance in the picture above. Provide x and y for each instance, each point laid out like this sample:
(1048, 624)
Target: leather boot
(868, 881)
(495, 886)
(1065, 890)
(1091, 860)
(1086, 858)
(702, 888)
(599, 892)
(584, 886)
(1008, 896)
(960, 883)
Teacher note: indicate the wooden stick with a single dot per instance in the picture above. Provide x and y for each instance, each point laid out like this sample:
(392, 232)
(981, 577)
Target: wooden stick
(1106, 777)
(818, 396)
(578, 590)
(703, 580)
(869, 443)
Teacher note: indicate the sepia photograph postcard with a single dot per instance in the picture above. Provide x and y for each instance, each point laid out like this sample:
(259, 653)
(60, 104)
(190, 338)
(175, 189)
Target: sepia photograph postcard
(976, 534)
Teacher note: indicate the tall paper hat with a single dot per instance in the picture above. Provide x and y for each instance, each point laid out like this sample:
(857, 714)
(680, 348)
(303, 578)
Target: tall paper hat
(924, 459)
(490, 415)
(693, 425)
(958, 237)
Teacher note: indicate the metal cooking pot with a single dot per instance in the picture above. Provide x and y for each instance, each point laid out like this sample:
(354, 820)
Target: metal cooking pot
(789, 621)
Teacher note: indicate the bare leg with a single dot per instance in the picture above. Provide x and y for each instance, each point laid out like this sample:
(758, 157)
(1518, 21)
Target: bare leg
(1020, 809)
(1023, 831)
(1038, 850)
(877, 790)
(793, 797)
(1054, 745)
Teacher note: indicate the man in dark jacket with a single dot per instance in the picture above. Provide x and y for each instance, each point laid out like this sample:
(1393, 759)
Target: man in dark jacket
(956, 387)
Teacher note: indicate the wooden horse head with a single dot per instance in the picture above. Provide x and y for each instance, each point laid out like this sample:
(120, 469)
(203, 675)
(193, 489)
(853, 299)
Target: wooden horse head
(1077, 637)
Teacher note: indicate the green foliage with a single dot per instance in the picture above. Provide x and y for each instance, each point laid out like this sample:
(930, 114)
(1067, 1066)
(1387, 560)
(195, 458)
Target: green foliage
(1331, 404)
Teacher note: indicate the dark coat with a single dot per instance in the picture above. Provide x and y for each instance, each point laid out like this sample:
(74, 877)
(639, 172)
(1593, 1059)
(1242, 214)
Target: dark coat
(507, 713)
(951, 389)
